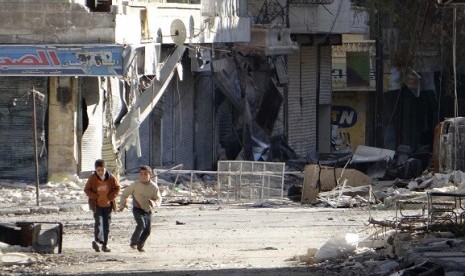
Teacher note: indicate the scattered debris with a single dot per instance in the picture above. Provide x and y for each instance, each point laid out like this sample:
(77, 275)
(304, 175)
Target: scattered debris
(341, 245)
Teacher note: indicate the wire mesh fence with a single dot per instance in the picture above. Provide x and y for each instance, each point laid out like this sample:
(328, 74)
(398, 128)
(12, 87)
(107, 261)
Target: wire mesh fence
(250, 180)
(235, 181)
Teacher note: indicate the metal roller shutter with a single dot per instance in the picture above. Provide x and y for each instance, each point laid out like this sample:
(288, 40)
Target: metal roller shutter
(302, 136)
(167, 125)
(293, 101)
(91, 141)
(204, 134)
(16, 127)
(178, 124)
(184, 122)
(325, 75)
(309, 102)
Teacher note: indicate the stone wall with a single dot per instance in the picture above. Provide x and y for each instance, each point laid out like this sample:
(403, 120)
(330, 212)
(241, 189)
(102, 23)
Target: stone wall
(62, 156)
(54, 22)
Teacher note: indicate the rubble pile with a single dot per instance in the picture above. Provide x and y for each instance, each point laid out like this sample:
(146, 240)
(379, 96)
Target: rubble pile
(395, 253)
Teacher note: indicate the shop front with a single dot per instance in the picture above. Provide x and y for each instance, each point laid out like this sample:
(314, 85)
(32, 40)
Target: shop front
(53, 75)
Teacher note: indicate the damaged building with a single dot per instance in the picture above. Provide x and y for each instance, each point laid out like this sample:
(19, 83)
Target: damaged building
(165, 82)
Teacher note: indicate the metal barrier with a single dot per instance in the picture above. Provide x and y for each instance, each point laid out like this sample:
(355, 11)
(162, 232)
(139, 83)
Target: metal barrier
(250, 180)
(239, 180)
(445, 207)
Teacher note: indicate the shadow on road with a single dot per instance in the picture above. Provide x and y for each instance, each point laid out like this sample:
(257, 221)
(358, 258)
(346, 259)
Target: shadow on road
(219, 272)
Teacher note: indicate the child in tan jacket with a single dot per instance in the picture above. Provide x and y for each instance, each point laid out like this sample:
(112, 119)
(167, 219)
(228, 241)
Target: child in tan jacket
(145, 197)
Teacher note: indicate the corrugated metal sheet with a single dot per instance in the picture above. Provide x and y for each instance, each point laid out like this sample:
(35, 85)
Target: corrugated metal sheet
(294, 103)
(175, 114)
(91, 141)
(178, 124)
(302, 136)
(157, 135)
(309, 103)
(132, 161)
(204, 134)
(16, 135)
(167, 124)
(279, 124)
(184, 122)
(325, 75)
(226, 123)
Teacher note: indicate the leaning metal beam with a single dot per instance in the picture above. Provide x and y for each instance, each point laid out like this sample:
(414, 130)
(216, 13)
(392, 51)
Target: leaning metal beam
(149, 98)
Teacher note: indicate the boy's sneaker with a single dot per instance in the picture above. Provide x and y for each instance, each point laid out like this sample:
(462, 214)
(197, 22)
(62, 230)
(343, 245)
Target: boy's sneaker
(140, 249)
(133, 245)
(105, 249)
(95, 246)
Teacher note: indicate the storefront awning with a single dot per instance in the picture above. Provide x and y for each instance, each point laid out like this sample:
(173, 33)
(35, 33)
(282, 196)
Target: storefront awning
(62, 60)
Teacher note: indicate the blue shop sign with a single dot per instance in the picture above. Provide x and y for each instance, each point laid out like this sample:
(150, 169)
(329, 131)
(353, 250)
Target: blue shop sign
(343, 116)
(44, 60)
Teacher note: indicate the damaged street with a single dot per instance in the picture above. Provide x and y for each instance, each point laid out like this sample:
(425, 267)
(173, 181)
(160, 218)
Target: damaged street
(245, 137)
(275, 236)
(198, 239)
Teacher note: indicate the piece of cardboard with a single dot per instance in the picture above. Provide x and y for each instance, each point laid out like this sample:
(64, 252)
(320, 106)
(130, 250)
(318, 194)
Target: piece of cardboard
(328, 177)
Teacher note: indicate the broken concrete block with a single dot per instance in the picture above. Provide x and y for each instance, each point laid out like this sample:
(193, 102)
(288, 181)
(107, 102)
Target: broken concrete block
(340, 245)
(15, 211)
(45, 209)
(47, 197)
(374, 243)
(385, 267)
(10, 259)
(426, 268)
(440, 180)
(72, 208)
(412, 185)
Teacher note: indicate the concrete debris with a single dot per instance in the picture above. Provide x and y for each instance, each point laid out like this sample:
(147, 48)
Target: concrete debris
(398, 253)
(11, 259)
(337, 247)
(5, 248)
(270, 204)
(344, 197)
(387, 251)
(373, 160)
(387, 266)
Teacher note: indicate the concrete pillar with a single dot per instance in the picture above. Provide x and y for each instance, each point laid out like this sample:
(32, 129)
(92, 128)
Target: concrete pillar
(62, 140)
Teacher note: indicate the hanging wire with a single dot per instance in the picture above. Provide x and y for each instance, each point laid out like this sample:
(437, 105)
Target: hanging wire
(180, 111)
(334, 21)
(442, 65)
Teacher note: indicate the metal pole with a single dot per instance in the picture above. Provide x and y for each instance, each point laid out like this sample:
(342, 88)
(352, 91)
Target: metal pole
(34, 130)
(379, 102)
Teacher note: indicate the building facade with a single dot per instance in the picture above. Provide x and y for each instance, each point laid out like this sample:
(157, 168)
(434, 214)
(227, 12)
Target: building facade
(165, 82)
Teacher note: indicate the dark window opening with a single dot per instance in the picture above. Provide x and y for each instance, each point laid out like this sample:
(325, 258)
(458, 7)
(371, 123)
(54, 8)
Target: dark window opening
(99, 5)
(184, 1)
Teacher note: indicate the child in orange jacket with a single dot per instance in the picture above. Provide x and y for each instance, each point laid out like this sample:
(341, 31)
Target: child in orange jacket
(102, 188)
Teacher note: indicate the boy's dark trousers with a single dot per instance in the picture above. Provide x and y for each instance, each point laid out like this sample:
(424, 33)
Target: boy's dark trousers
(143, 227)
(102, 217)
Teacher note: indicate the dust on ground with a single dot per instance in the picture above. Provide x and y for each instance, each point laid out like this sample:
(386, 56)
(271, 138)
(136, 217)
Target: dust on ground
(198, 239)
